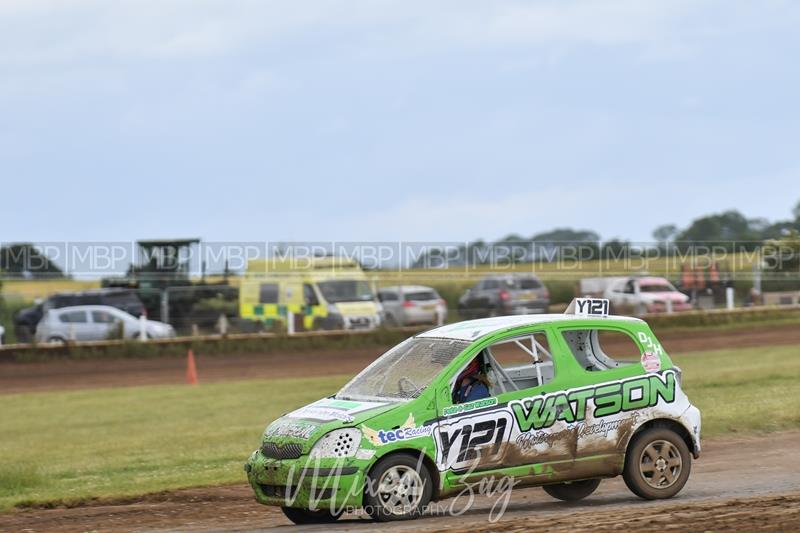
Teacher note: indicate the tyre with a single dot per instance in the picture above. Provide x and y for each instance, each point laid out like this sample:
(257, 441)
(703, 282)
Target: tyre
(57, 340)
(657, 464)
(572, 491)
(305, 516)
(399, 487)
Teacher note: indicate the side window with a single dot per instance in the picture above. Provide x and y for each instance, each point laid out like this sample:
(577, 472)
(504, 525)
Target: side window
(519, 363)
(268, 293)
(73, 317)
(309, 295)
(596, 350)
(102, 317)
(629, 287)
(387, 296)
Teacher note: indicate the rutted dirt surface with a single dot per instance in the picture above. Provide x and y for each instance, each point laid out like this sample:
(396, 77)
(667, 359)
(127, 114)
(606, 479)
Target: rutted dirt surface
(739, 484)
(77, 374)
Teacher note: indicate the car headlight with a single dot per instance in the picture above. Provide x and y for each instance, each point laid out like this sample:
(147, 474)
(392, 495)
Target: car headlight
(337, 444)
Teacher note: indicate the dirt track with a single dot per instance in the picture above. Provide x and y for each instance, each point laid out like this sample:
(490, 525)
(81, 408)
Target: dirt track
(77, 374)
(726, 492)
(745, 484)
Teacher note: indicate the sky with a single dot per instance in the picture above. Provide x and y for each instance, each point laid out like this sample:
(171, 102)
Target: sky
(392, 120)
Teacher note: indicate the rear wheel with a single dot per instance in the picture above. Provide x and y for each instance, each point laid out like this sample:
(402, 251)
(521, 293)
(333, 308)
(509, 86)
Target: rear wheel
(305, 516)
(572, 491)
(399, 487)
(657, 464)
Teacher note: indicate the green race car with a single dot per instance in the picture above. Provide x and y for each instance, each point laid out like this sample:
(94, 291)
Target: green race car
(560, 401)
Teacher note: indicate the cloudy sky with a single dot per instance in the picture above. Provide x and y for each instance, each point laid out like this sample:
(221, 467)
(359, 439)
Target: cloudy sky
(383, 120)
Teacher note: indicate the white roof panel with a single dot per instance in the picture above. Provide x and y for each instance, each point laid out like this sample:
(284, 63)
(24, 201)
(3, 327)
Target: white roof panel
(470, 330)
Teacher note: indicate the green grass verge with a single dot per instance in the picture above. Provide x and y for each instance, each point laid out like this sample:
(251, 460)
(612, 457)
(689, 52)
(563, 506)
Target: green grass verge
(749, 390)
(68, 447)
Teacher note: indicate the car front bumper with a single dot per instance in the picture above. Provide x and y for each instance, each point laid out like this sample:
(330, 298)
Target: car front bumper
(306, 483)
(692, 421)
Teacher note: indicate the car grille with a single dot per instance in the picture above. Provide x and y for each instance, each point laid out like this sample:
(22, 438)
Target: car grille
(281, 491)
(359, 322)
(276, 451)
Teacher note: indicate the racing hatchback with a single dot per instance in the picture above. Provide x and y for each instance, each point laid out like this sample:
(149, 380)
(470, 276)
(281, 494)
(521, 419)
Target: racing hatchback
(558, 401)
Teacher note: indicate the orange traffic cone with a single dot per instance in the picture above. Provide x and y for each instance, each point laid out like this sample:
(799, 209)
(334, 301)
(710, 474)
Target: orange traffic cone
(191, 369)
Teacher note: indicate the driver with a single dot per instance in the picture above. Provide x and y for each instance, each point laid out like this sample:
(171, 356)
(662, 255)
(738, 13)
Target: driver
(472, 383)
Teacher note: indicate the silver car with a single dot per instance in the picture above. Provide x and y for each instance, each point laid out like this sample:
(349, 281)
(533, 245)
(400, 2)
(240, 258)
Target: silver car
(95, 323)
(405, 305)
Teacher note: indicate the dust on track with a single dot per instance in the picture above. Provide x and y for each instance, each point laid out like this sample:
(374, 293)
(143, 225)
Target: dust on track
(739, 484)
(60, 374)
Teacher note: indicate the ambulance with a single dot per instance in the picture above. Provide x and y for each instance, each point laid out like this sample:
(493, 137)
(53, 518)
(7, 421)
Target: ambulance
(318, 293)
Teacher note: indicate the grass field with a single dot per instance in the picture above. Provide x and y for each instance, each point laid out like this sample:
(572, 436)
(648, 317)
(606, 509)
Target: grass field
(71, 446)
(28, 290)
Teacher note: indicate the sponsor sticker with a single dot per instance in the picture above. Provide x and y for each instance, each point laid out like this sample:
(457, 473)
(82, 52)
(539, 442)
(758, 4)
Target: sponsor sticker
(331, 409)
(651, 362)
(468, 406)
(297, 430)
(409, 430)
(321, 413)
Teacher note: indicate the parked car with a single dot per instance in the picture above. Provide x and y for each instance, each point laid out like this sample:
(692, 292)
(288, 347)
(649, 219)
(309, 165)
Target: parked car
(94, 323)
(26, 320)
(405, 305)
(507, 294)
(647, 294)
(557, 407)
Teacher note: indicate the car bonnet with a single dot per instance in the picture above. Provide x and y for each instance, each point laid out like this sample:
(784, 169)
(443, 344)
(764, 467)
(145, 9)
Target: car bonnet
(307, 424)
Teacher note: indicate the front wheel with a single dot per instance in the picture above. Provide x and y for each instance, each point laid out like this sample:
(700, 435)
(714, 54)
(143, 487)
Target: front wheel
(657, 464)
(399, 487)
(306, 516)
(573, 491)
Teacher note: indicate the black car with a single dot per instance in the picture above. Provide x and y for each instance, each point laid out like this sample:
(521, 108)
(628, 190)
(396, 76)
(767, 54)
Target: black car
(505, 294)
(25, 320)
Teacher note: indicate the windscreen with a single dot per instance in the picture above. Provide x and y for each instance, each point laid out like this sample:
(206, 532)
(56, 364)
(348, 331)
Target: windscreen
(346, 291)
(657, 287)
(403, 372)
(421, 296)
(529, 283)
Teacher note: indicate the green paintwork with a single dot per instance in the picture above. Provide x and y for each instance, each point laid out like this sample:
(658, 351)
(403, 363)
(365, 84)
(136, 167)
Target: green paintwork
(433, 405)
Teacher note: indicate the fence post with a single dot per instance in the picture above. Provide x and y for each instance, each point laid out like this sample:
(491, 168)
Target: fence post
(142, 327)
(223, 324)
(669, 306)
(729, 297)
(290, 323)
(165, 305)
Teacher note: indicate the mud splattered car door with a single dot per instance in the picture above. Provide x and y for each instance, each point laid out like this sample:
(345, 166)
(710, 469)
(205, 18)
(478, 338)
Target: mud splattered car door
(617, 395)
(485, 435)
